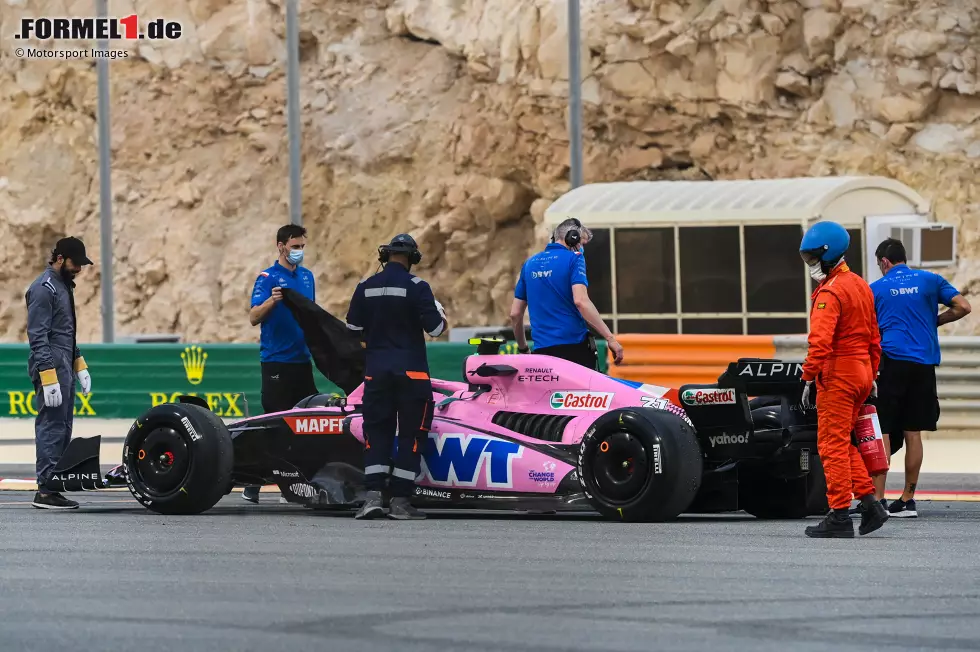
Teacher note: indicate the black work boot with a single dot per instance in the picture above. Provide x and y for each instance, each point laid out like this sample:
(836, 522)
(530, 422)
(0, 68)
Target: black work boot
(373, 506)
(835, 525)
(402, 510)
(873, 516)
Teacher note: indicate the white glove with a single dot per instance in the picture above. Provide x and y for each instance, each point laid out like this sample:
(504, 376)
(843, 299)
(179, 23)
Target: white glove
(52, 395)
(805, 399)
(442, 311)
(85, 380)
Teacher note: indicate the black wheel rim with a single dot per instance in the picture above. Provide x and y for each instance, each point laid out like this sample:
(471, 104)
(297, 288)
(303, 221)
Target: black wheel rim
(161, 461)
(620, 466)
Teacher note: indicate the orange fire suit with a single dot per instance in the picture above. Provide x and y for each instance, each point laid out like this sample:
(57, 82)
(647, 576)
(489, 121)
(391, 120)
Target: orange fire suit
(843, 356)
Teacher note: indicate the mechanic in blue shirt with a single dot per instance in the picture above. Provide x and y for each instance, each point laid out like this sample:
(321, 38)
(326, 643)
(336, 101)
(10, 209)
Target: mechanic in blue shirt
(553, 288)
(287, 370)
(906, 303)
(391, 310)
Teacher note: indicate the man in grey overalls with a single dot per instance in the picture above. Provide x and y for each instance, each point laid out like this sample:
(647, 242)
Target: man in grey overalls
(55, 362)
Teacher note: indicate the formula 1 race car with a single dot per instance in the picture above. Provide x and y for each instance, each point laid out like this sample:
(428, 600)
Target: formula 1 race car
(524, 432)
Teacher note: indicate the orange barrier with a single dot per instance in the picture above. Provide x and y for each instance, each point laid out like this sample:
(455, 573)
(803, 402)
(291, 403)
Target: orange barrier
(675, 360)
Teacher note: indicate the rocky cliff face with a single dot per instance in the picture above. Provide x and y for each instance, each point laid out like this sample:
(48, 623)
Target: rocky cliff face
(446, 118)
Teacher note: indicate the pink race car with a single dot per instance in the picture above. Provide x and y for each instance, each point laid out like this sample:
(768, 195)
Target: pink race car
(524, 432)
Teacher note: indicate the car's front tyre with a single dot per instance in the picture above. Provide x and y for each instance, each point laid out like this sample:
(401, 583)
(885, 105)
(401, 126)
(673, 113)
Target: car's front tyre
(178, 459)
(640, 464)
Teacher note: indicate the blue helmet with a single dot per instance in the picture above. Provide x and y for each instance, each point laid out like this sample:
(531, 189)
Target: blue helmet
(825, 242)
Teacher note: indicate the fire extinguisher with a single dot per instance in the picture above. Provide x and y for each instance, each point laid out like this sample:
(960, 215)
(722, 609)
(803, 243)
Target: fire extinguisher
(869, 441)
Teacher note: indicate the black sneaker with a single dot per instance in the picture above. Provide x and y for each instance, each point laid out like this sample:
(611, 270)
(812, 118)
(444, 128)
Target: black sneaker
(874, 517)
(835, 525)
(859, 510)
(403, 510)
(903, 509)
(52, 501)
(373, 506)
(251, 494)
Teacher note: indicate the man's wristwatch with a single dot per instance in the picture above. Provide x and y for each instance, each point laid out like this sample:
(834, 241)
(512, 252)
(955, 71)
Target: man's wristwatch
(526, 349)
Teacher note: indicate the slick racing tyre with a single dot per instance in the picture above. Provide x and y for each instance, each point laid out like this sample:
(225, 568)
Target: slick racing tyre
(640, 464)
(178, 459)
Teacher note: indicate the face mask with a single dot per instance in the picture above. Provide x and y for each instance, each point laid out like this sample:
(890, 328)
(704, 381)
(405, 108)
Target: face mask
(816, 272)
(295, 256)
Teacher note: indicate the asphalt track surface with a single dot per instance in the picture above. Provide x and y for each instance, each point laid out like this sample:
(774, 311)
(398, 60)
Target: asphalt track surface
(277, 577)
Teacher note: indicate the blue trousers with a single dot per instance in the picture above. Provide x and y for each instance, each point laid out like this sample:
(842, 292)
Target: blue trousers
(52, 427)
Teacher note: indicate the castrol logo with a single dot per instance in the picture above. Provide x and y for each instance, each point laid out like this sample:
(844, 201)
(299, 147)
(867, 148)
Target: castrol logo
(581, 400)
(708, 397)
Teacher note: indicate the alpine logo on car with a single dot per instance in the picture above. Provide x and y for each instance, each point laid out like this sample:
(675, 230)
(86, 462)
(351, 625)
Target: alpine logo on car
(572, 400)
(316, 425)
(463, 460)
(772, 369)
(708, 396)
(68, 477)
(726, 439)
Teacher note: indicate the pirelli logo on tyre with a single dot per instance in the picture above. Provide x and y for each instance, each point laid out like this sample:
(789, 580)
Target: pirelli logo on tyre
(708, 396)
(316, 425)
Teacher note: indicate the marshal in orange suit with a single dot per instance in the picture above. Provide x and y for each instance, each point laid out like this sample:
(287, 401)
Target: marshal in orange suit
(842, 360)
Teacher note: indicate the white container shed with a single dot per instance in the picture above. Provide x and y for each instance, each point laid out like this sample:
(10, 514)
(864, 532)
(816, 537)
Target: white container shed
(721, 257)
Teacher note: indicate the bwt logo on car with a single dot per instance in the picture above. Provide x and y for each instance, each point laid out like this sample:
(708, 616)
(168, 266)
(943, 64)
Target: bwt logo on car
(458, 460)
(581, 400)
(708, 396)
(87, 29)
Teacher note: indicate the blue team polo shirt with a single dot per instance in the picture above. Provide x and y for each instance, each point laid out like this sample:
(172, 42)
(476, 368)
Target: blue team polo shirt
(907, 302)
(545, 283)
(281, 338)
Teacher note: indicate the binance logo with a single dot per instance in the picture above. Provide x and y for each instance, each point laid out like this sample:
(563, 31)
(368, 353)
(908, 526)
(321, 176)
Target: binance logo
(194, 359)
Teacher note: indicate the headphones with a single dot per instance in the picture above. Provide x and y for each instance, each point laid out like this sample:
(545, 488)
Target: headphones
(402, 244)
(573, 237)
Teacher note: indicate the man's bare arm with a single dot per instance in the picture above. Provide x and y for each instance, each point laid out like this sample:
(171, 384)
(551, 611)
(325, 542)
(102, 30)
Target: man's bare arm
(960, 309)
(580, 294)
(517, 321)
(257, 314)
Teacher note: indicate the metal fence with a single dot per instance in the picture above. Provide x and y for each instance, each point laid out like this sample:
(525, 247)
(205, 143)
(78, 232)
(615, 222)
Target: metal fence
(958, 377)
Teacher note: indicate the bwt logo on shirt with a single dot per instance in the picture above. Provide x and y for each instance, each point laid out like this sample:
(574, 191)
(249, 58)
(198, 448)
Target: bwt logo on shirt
(897, 291)
(544, 274)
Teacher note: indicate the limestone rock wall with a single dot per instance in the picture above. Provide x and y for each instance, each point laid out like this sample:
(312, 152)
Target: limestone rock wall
(446, 118)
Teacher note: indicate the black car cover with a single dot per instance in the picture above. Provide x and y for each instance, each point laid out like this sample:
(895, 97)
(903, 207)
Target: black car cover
(337, 351)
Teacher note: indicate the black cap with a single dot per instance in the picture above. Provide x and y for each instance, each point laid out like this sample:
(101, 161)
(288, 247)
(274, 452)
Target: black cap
(73, 248)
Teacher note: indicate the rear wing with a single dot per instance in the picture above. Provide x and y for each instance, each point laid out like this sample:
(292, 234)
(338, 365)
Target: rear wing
(762, 377)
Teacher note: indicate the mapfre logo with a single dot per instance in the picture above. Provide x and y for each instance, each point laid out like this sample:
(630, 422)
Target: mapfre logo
(581, 400)
(316, 425)
(708, 396)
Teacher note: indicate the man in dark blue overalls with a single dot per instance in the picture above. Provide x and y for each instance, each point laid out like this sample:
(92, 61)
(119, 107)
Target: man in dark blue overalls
(392, 309)
(55, 362)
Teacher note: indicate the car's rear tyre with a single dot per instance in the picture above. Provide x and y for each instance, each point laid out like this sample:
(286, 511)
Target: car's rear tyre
(640, 464)
(767, 496)
(178, 459)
